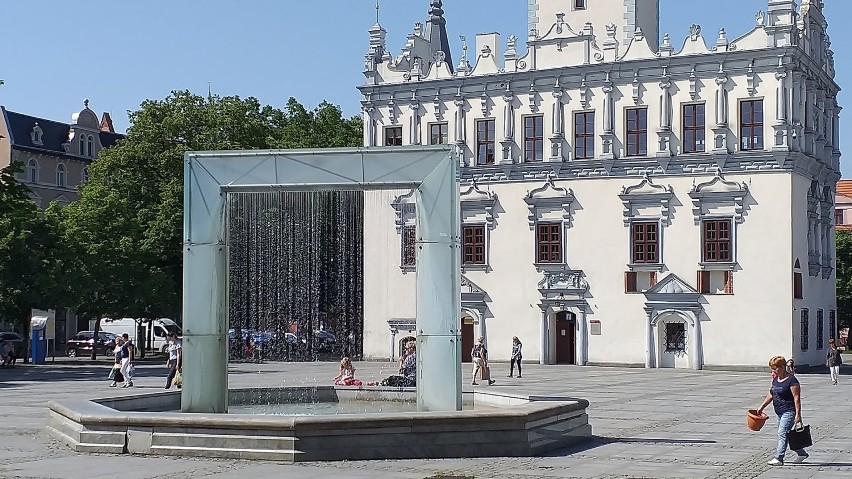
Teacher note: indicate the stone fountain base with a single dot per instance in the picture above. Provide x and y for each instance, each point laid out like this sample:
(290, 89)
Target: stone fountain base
(148, 424)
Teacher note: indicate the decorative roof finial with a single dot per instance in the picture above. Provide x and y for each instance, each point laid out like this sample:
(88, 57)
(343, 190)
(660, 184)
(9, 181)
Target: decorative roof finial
(377, 11)
(86, 103)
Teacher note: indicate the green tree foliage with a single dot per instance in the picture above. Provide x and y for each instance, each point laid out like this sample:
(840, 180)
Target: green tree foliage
(128, 222)
(31, 253)
(843, 243)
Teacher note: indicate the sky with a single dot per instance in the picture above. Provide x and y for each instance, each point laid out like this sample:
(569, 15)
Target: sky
(120, 53)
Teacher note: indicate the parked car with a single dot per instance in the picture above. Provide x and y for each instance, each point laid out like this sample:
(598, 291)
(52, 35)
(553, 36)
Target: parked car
(82, 343)
(16, 340)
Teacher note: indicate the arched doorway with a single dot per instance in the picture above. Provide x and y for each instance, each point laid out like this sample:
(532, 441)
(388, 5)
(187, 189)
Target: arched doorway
(566, 338)
(466, 338)
(673, 341)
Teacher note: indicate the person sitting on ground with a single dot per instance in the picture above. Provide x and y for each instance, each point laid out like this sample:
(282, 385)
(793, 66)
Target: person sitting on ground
(347, 374)
(407, 370)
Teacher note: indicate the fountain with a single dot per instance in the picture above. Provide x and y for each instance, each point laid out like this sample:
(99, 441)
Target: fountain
(277, 202)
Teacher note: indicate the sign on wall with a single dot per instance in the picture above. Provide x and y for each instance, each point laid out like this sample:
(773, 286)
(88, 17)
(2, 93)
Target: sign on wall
(595, 327)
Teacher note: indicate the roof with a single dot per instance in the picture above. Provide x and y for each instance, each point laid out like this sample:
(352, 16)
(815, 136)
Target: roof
(844, 187)
(54, 134)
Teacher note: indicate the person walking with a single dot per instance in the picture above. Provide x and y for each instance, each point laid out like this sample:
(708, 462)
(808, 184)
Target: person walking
(516, 356)
(785, 396)
(116, 367)
(127, 357)
(175, 361)
(479, 354)
(833, 361)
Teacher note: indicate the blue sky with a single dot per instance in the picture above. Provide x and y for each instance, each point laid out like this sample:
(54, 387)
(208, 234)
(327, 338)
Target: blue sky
(119, 53)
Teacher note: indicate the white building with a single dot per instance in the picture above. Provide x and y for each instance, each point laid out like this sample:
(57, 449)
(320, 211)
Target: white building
(625, 200)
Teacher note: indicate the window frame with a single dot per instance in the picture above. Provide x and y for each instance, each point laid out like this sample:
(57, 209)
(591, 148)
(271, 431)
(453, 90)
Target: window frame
(820, 330)
(585, 135)
(730, 240)
(90, 143)
(832, 324)
(804, 329)
(536, 139)
(443, 132)
(675, 343)
(61, 175)
(469, 249)
(634, 242)
(559, 243)
(639, 132)
(32, 170)
(580, 4)
(408, 247)
(489, 143)
(753, 126)
(695, 128)
(838, 217)
(392, 140)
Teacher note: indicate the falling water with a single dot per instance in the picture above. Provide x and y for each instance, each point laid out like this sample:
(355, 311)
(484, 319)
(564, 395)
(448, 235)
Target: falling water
(295, 275)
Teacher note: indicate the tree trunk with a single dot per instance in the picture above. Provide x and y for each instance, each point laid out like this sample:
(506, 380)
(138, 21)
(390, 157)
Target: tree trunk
(95, 338)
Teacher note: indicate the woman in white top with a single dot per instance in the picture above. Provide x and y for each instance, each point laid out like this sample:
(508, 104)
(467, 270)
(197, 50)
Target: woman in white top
(175, 361)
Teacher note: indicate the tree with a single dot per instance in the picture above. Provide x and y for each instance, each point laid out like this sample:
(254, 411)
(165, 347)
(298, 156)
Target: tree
(31, 253)
(843, 242)
(128, 222)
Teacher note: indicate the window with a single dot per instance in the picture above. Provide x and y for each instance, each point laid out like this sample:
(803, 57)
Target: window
(637, 132)
(715, 282)
(675, 337)
(549, 243)
(485, 142)
(838, 217)
(393, 136)
(60, 175)
(32, 171)
(693, 128)
(473, 244)
(639, 281)
(797, 286)
(84, 177)
(751, 125)
(805, 329)
(584, 135)
(645, 241)
(832, 324)
(83, 146)
(534, 138)
(438, 134)
(91, 145)
(579, 4)
(409, 246)
(717, 241)
(820, 329)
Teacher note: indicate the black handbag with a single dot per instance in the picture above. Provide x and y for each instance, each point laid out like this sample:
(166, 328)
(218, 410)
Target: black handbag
(799, 437)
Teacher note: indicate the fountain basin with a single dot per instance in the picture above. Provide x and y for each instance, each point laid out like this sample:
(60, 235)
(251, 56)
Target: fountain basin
(508, 425)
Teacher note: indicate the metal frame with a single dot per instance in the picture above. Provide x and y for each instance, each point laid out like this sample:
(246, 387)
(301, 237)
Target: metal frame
(432, 171)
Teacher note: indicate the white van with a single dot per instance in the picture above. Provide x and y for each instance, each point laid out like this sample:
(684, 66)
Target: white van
(162, 326)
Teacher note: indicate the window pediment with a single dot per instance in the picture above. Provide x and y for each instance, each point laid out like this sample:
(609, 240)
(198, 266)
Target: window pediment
(403, 205)
(643, 195)
(549, 198)
(718, 192)
(475, 201)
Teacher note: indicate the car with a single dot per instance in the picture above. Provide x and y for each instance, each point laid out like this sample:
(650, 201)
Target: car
(82, 343)
(16, 340)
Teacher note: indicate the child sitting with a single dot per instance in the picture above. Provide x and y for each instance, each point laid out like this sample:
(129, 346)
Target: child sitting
(347, 374)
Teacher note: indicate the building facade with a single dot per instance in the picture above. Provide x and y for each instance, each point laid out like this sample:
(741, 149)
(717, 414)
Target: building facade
(623, 201)
(55, 157)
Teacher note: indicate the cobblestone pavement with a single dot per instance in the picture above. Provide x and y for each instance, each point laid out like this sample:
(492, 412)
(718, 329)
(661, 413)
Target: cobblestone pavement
(647, 424)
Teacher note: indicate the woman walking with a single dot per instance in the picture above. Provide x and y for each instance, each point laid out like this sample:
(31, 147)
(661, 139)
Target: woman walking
(117, 377)
(833, 361)
(785, 396)
(516, 356)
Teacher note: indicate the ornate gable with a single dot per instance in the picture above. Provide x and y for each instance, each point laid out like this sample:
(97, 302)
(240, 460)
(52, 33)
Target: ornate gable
(672, 284)
(475, 201)
(646, 195)
(718, 192)
(549, 198)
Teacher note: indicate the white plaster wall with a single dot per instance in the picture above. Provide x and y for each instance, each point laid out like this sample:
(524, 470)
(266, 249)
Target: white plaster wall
(738, 329)
(388, 292)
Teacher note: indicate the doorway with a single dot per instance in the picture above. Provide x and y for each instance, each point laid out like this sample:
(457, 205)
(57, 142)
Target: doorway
(566, 337)
(466, 339)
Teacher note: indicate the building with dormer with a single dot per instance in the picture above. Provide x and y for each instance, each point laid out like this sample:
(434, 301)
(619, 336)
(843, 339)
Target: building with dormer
(627, 197)
(55, 155)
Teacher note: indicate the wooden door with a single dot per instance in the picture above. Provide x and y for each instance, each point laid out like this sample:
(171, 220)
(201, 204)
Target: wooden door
(565, 338)
(466, 339)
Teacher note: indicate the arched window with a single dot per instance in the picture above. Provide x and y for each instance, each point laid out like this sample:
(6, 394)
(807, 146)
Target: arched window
(60, 175)
(83, 146)
(91, 143)
(85, 177)
(32, 171)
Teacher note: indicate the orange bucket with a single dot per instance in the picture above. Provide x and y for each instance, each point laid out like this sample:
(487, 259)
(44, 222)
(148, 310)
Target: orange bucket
(755, 421)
